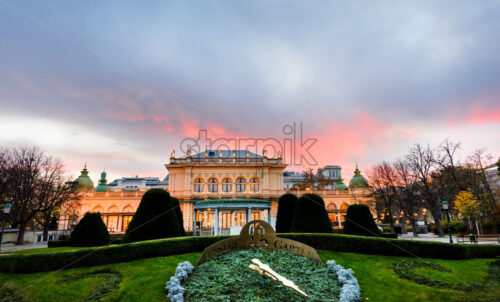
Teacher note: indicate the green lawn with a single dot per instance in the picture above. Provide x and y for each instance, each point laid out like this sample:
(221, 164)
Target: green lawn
(144, 280)
(48, 250)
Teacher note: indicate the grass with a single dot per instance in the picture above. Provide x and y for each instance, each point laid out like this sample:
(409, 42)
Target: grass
(144, 280)
(44, 250)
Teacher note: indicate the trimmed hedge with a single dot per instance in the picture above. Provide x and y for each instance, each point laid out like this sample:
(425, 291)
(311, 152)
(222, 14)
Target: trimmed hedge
(105, 255)
(155, 218)
(58, 243)
(359, 221)
(286, 210)
(311, 216)
(394, 247)
(181, 245)
(90, 231)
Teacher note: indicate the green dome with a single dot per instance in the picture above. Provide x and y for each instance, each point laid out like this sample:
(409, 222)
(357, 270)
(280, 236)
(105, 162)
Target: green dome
(102, 186)
(84, 181)
(340, 185)
(358, 180)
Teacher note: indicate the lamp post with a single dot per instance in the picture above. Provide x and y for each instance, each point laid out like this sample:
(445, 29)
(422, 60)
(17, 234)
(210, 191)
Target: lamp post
(445, 207)
(481, 221)
(6, 210)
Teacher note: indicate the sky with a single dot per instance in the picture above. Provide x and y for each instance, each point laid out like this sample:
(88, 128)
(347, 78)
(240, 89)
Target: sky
(120, 84)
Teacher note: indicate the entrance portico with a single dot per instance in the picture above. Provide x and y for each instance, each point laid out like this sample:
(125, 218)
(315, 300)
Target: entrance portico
(228, 216)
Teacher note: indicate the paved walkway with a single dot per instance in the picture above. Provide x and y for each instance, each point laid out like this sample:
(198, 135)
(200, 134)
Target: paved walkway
(446, 239)
(9, 247)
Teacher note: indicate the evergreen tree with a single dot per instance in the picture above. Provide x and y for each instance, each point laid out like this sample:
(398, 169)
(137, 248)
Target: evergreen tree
(310, 215)
(178, 212)
(359, 221)
(155, 218)
(90, 231)
(286, 210)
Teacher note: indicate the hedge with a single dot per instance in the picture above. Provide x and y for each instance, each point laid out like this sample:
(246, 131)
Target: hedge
(181, 245)
(394, 247)
(105, 255)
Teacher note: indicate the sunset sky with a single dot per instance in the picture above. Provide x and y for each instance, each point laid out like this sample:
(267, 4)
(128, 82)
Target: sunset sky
(120, 84)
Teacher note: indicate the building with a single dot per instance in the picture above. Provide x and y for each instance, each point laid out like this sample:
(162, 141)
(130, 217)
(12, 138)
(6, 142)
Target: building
(138, 183)
(219, 192)
(291, 179)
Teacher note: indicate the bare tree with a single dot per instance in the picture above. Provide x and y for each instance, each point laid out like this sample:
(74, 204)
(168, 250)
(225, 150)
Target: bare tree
(314, 181)
(381, 180)
(406, 190)
(478, 161)
(423, 163)
(54, 190)
(35, 186)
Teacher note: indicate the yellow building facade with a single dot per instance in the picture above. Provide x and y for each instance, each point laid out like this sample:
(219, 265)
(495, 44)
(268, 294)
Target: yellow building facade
(219, 192)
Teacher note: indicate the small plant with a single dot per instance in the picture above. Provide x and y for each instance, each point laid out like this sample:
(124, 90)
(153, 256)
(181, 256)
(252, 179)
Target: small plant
(174, 287)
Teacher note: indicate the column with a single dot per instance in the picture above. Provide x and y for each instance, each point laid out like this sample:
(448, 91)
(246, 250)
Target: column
(269, 215)
(249, 214)
(216, 223)
(339, 219)
(195, 217)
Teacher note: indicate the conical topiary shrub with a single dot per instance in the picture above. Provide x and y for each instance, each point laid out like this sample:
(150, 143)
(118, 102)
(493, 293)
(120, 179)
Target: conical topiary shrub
(310, 215)
(286, 210)
(155, 218)
(90, 231)
(178, 212)
(359, 221)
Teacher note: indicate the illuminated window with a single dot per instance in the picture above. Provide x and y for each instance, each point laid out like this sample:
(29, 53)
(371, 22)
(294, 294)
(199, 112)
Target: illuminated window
(212, 185)
(254, 185)
(126, 221)
(240, 184)
(226, 185)
(198, 185)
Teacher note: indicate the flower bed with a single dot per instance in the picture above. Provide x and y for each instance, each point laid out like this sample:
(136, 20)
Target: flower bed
(227, 278)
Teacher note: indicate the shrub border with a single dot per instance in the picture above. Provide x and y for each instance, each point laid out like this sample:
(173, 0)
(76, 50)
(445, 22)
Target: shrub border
(173, 246)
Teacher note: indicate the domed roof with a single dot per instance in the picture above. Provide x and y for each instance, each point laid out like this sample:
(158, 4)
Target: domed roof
(340, 185)
(102, 186)
(358, 180)
(84, 181)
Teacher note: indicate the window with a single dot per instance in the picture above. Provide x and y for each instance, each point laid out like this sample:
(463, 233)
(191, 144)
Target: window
(254, 185)
(126, 221)
(240, 184)
(226, 185)
(198, 185)
(212, 185)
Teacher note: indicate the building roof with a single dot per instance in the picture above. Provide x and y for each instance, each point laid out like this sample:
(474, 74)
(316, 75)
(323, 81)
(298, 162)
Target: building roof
(358, 180)
(340, 185)
(84, 181)
(226, 154)
(102, 186)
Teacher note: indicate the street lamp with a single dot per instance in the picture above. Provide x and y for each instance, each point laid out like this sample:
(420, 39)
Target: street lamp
(445, 207)
(6, 210)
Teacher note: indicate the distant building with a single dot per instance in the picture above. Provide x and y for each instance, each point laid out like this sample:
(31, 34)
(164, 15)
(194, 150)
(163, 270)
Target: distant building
(137, 183)
(291, 178)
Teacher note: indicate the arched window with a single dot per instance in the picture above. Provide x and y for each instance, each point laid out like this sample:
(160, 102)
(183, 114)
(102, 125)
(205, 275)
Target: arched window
(331, 207)
(198, 185)
(344, 206)
(226, 185)
(254, 184)
(212, 185)
(240, 184)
